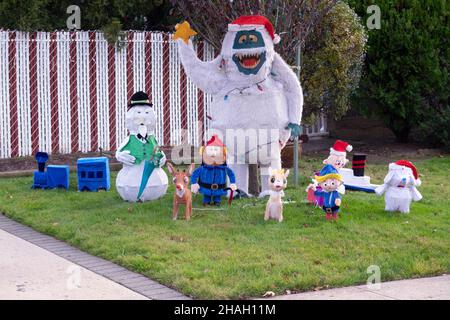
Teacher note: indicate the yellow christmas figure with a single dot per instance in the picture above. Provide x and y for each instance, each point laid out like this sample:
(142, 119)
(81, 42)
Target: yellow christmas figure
(184, 31)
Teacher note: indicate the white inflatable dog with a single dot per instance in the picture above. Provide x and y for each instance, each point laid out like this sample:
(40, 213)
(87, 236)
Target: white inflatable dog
(400, 186)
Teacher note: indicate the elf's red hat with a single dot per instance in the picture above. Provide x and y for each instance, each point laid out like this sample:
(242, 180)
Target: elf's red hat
(215, 141)
(406, 163)
(256, 21)
(340, 148)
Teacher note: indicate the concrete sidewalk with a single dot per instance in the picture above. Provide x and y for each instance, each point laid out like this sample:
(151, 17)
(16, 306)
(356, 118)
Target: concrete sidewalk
(434, 288)
(52, 269)
(30, 272)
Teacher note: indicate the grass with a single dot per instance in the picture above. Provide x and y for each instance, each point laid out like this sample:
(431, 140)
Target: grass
(234, 253)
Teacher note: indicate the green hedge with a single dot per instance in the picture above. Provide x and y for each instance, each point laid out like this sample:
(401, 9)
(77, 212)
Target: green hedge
(332, 61)
(406, 80)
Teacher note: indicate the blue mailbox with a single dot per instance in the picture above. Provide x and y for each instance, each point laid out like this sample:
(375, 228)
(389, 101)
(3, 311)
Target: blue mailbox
(93, 174)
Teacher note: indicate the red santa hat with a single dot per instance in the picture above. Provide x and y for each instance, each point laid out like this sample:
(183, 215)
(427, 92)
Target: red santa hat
(255, 21)
(340, 148)
(406, 163)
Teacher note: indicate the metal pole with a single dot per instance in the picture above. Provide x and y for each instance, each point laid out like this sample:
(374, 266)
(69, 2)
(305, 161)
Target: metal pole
(297, 62)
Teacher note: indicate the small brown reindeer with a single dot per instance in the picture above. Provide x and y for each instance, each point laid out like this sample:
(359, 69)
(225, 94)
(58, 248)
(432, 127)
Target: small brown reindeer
(182, 193)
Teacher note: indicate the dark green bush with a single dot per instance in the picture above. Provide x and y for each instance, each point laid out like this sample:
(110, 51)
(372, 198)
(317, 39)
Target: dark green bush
(48, 15)
(406, 80)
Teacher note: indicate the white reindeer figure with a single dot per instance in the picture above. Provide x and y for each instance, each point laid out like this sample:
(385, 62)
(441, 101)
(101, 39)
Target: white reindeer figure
(277, 183)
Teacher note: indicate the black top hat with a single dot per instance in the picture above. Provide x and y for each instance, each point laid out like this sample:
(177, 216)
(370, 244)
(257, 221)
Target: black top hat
(138, 99)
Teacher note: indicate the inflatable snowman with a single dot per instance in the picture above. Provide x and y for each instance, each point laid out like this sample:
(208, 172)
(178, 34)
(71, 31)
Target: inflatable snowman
(257, 98)
(141, 178)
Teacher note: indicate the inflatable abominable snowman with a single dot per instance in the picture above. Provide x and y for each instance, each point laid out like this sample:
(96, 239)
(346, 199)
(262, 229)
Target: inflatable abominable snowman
(252, 88)
(141, 178)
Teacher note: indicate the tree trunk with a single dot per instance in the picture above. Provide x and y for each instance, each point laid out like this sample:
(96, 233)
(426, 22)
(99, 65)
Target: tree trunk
(253, 179)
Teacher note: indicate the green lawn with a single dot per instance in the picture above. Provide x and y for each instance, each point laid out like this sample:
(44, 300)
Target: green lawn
(234, 253)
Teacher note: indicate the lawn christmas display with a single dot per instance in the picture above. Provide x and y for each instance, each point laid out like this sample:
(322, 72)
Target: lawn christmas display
(141, 178)
(400, 186)
(210, 179)
(253, 89)
(277, 183)
(329, 181)
(354, 178)
(182, 193)
(56, 176)
(338, 154)
(337, 159)
(183, 32)
(93, 174)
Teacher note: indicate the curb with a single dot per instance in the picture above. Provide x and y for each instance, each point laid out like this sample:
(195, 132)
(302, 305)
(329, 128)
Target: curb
(131, 280)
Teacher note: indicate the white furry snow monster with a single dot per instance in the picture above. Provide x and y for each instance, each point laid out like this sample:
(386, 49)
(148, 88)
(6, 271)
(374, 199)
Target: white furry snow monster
(400, 186)
(257, 98)
(141, 178)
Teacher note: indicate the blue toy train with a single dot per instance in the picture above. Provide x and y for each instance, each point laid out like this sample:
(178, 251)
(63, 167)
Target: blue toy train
(54, 177)
(93, 174)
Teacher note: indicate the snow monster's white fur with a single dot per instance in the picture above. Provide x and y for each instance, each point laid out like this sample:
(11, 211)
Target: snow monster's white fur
(266, 102)
(399, 198)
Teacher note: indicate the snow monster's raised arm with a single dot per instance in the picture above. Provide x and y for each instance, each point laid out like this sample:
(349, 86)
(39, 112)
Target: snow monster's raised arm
(283, 73)
(205, 75)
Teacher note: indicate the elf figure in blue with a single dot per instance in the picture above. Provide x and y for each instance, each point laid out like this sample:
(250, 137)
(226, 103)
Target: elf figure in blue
(329, 180)
(210, 179)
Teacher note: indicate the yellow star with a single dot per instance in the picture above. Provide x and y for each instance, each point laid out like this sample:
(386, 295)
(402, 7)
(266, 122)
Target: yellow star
(183, 31)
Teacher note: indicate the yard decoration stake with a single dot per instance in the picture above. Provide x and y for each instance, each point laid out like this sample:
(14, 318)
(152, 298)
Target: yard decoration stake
(277, 182)
(329, 181)
(256, 95)
(400, 186)
(141, 178)
(210, 178)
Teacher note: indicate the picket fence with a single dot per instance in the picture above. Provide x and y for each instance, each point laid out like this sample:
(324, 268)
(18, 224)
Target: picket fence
(64, 92)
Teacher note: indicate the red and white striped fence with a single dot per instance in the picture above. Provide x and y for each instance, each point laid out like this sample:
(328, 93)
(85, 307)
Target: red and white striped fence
(68, 91)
